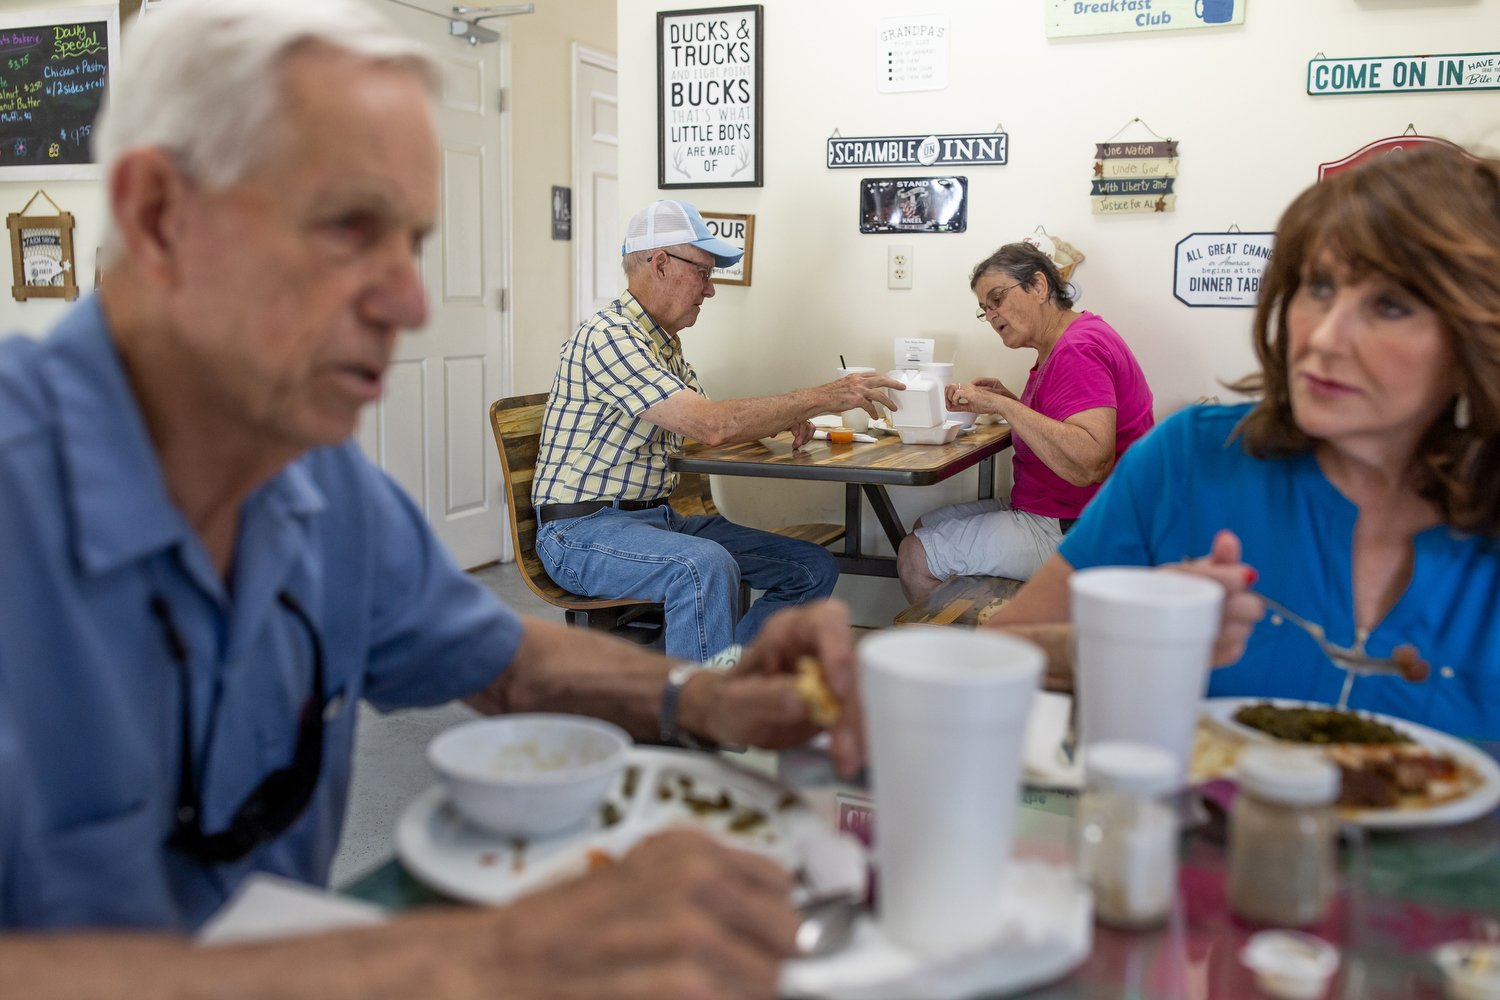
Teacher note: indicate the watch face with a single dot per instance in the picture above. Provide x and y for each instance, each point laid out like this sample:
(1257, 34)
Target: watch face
(679, 674)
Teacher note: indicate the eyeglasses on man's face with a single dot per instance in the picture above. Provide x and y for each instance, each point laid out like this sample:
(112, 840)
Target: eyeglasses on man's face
(995, 301)
(704, 271)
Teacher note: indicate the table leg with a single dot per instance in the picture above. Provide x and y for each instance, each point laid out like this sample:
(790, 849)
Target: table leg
(885, 513)
(853, 559)
(853, 518)
(987, 478)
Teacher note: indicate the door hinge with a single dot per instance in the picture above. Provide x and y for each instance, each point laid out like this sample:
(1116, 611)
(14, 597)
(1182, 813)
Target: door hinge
(500, 100)
(502, 300)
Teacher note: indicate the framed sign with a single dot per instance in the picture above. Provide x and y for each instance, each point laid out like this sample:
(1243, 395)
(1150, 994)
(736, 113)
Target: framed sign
(55, 68)
(740, 231)
(708, 97)
(1221, 269)
(914, 205)
(41, 253)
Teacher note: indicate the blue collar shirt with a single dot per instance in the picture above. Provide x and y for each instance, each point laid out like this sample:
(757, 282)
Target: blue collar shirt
(90, 694)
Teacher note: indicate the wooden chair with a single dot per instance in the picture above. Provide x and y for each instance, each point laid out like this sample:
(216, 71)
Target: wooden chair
(965, 601)
(517, 423)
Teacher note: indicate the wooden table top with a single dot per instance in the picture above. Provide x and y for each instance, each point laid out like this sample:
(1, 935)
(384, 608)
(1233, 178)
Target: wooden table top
(886, 462)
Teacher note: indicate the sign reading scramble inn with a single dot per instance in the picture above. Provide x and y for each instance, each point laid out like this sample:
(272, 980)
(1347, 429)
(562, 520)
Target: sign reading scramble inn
(919, 150)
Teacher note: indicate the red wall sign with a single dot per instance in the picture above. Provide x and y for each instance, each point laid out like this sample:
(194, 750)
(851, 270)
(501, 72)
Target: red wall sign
(1394, 144)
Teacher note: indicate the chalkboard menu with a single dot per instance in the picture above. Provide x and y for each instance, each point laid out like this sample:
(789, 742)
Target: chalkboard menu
(54, 72)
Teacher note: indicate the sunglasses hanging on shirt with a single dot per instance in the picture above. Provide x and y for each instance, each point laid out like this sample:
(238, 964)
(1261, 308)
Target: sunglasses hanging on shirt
(281, 796)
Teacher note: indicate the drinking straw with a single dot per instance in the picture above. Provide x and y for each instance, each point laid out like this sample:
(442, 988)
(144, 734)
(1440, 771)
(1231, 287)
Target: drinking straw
(842, 362)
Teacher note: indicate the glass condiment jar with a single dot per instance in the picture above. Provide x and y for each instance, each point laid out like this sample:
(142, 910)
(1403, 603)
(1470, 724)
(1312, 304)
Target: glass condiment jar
(1126, 832)
(1283, 849)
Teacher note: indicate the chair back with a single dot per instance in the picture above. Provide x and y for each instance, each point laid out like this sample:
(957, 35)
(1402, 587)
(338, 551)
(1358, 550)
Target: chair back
(517, 423)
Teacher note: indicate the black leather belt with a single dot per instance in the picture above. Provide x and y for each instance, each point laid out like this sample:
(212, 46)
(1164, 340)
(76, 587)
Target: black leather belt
(559, 511)
(1066, 523)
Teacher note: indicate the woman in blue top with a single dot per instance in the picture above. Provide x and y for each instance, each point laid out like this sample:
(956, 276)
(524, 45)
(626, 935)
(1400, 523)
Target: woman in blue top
(1362, 489)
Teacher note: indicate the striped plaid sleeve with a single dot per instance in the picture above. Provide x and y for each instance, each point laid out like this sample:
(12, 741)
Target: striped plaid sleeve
(625, 373)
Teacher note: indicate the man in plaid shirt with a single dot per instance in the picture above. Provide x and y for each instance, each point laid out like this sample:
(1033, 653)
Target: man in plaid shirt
(622, 402)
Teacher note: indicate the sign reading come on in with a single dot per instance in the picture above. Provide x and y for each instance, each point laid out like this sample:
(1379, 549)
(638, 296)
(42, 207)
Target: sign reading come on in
(1399, 74)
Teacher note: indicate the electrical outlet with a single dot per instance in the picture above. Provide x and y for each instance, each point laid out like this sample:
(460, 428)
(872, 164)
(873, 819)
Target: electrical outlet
(898, 267)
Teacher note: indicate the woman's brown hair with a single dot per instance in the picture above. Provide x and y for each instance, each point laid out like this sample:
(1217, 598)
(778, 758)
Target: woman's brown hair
(1428, 220)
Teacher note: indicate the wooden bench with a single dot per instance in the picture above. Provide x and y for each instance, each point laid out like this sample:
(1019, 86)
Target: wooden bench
(960, 600)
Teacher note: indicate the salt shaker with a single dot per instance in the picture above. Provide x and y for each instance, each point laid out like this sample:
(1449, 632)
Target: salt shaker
(1283, 851)
(1126, 832)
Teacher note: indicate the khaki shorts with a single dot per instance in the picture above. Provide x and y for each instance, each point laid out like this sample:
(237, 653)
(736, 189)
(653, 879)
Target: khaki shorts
(987, 538)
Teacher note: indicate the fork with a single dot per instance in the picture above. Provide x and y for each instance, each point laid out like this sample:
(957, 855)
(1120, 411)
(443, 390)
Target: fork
(1355, 662)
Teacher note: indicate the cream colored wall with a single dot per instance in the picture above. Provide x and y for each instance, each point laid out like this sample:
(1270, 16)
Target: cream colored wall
(541, 156)
(540, 102)
(85, 199)
(1235, 98)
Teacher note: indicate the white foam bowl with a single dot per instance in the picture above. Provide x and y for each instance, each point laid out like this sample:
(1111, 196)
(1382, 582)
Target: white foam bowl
(940, 434)
(965, 419)
(529, 775)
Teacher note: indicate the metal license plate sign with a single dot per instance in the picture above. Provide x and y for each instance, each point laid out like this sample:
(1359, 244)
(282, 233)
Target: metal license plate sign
(919, 150)
(913, 204)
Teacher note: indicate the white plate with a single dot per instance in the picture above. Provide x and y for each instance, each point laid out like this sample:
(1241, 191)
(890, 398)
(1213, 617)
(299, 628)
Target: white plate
(671, 787)
(1483, 798)
(1047, 922)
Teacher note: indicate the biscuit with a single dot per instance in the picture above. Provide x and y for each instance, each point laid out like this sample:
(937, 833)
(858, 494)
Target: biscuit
(811, 688)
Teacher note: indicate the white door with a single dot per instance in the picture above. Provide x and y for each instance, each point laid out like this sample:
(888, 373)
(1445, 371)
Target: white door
(430, 431)
(597, 278)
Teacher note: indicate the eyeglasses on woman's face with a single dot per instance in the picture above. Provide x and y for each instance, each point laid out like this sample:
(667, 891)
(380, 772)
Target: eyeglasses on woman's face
(995, 301)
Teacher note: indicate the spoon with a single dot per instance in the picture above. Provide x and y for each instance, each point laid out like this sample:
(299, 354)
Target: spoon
(827, 923)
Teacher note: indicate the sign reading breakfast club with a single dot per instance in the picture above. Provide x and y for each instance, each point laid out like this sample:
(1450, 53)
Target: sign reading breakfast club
(1118, 17)
(1134, 177)
(919, 150)
(1221, 269)
(1403, 74)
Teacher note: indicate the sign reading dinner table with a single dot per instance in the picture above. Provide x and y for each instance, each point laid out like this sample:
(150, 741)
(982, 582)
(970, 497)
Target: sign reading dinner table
(1221, 269)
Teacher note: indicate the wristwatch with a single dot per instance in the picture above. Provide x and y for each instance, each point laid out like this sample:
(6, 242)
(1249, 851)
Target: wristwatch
(670, 730)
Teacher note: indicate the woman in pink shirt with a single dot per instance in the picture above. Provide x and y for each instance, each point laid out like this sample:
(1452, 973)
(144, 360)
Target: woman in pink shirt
(1085, 401)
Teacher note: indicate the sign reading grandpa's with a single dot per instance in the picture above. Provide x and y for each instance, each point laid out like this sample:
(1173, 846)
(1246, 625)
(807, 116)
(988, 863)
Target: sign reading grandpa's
(919, 151)
(1221, 269)
(1118, 17)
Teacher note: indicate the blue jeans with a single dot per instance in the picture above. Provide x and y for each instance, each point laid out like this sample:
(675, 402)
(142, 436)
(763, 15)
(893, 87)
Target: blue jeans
(691, 565)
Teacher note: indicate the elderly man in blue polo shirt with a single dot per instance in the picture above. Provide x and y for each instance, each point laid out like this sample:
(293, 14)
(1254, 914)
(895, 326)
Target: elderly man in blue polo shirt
(623, 400)
(202, 575)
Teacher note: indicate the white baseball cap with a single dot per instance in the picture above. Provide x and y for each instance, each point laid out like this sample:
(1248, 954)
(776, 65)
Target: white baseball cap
(669, 223)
